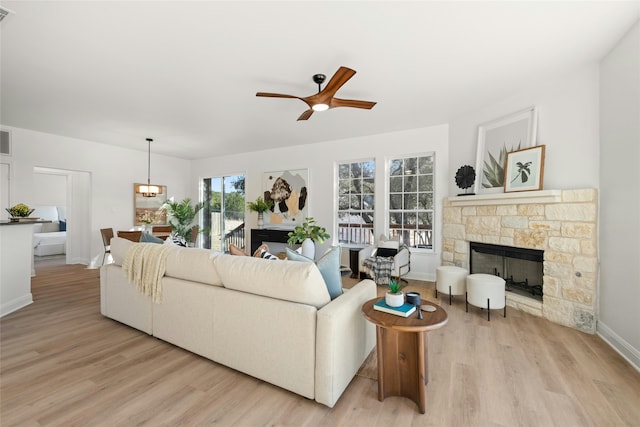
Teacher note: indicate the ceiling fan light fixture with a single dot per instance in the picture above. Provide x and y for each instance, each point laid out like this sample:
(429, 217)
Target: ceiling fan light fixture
(320, 107)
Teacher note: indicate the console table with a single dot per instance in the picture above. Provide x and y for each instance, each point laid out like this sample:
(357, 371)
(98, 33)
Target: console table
(401, 345)
(260, 235)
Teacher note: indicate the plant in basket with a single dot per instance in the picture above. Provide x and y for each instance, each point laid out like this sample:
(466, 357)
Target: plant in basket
(20, 211)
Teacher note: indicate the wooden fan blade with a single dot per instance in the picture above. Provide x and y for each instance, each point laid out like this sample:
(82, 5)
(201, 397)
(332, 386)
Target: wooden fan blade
(276, 95)
(305, 115)
(337, 102)
(339, 78)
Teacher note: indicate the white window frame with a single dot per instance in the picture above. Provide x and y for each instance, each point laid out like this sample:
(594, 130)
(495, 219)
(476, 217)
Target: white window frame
(432, 210)
(365, 238)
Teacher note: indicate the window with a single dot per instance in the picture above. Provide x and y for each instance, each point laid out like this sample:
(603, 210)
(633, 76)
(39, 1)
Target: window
(411, 206)
(356, 191)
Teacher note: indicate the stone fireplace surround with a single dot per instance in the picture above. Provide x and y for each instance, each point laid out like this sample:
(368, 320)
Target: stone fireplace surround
(562, 223)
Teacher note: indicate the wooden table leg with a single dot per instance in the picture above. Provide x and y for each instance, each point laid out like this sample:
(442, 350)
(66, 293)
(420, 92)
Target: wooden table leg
(379, 347)
(402, 365)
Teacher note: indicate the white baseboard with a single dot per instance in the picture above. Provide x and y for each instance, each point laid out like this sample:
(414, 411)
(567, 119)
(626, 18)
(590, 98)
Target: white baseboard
(16, 304)
(626, 350)
(427, 277)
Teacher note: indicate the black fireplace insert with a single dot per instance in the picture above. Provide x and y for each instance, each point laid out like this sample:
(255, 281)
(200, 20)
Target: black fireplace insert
(521, 268)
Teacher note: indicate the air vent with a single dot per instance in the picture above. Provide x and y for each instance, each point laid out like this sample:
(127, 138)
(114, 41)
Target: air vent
(5, 142)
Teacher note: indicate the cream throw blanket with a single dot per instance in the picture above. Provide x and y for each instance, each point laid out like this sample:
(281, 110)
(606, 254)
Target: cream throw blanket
(144, 264)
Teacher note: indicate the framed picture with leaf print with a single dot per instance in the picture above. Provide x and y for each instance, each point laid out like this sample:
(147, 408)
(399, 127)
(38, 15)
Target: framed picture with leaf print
(524, 170)
(497, 138)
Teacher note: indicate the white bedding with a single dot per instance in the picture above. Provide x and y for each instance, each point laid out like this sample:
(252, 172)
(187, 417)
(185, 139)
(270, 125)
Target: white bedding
(52, 243)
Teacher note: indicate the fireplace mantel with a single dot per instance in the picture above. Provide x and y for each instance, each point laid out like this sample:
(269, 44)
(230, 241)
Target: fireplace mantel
(521, 197)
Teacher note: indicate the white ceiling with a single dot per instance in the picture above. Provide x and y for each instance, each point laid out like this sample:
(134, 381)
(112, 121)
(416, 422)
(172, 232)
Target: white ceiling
(186, 73)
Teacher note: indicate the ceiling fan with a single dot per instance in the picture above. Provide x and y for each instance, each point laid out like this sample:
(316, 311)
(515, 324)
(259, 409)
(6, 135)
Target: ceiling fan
(324, 99)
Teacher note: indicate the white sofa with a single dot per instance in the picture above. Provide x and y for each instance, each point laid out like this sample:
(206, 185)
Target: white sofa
(48, 238)
(273, 320)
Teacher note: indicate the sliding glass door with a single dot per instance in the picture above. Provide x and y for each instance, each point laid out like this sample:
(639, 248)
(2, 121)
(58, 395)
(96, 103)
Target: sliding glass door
(223, 219)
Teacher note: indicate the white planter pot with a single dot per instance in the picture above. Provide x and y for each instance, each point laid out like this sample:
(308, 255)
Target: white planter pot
(309, 248)
(394, 300)
(260, 219)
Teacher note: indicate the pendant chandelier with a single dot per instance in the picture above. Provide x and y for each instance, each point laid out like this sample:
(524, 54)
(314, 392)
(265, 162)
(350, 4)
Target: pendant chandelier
(149, 190)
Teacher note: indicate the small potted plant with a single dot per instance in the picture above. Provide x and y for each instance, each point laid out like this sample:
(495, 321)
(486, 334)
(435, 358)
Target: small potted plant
(394, 296)
(260, 206)
(307, 234)
(19, 211)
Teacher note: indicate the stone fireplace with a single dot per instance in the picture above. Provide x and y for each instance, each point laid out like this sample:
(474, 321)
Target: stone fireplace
(562, 223)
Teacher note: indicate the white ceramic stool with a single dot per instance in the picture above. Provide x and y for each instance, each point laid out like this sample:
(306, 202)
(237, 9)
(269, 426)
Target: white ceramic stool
(451, 280)
(486, 291)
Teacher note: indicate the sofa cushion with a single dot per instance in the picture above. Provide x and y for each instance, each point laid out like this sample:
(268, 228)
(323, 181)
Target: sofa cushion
(290, 281)
(329, 266)
(182, 263)
(193, 264)
(150, 238)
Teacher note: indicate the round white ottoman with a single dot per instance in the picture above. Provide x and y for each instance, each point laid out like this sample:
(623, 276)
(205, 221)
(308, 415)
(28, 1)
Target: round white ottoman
(486, 291)
(451, 280)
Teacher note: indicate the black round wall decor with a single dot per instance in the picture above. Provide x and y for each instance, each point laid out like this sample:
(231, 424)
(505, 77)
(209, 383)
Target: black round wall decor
(465, 177)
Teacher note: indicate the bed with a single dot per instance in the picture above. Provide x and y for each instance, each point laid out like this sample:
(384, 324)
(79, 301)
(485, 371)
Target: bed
(50, 238)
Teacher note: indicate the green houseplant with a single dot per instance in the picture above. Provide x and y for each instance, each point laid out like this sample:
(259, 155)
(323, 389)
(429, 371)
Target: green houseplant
(181, 216)
(394, 296)
(20, 211)
(307, 234)
(260, 206)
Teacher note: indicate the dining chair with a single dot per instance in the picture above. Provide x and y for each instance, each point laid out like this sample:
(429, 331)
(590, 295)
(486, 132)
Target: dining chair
(134, 236)
(194, 235)
(107, 235)
(162, 229)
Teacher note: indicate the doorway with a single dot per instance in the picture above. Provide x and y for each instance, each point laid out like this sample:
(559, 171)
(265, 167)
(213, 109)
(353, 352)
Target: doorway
(223, 213)
(75, 191)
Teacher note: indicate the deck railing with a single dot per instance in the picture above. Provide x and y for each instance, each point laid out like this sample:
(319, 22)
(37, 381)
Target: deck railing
(235, 237)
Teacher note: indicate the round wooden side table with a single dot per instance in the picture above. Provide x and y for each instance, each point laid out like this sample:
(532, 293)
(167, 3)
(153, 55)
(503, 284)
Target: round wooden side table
(401, 347)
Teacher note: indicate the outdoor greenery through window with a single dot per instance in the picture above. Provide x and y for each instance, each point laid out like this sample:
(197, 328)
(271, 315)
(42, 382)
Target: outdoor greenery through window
(411, 200)
(356, 191)
(223, 214)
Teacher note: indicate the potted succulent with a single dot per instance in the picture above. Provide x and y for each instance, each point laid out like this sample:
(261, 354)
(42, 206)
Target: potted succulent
(260, 206)
(394, 296)
(307, 234)
(19, 211)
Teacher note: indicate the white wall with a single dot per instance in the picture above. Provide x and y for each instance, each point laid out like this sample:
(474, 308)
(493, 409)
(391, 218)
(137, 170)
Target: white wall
(321, 159)
(50, 189)
(619, 300)
(112, 171)
(567, 124)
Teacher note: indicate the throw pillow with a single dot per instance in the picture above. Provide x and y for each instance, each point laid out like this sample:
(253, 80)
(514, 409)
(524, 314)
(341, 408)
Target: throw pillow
(63, 225)
(234, 250)
(150, 238)
(263, 252)
(329, 266)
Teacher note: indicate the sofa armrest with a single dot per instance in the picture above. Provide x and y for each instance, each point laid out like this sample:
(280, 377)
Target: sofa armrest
(344, 339)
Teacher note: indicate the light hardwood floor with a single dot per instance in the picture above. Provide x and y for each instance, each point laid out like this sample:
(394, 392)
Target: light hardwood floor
(63, 364)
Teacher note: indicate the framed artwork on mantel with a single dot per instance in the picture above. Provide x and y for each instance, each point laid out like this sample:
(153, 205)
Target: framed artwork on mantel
(514, 132)
(146, 210)
(289, 191)
(524, 170)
